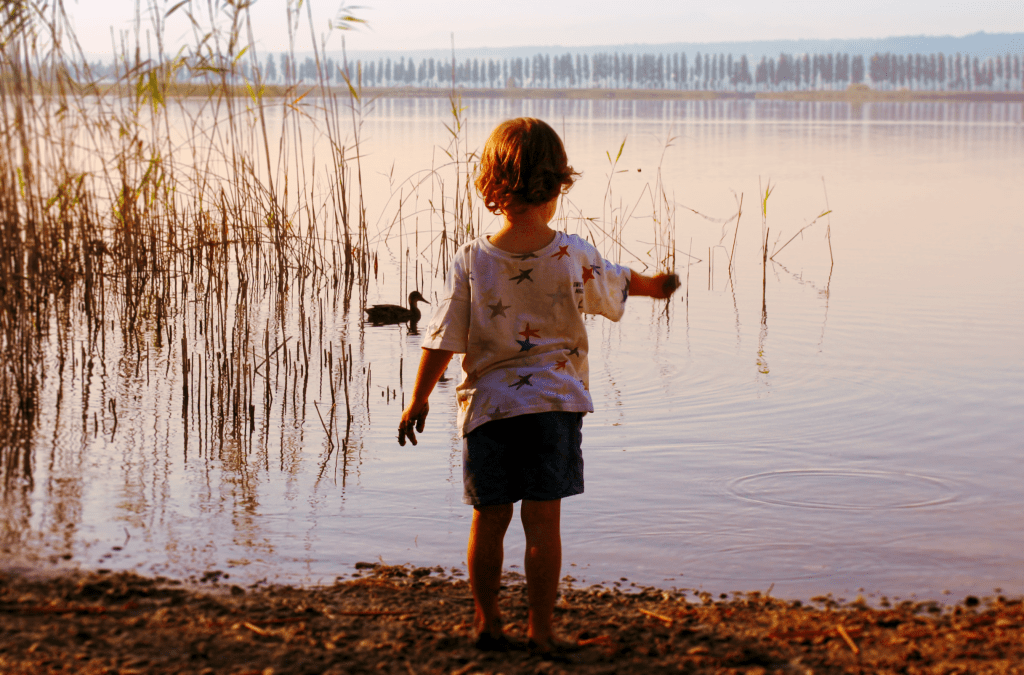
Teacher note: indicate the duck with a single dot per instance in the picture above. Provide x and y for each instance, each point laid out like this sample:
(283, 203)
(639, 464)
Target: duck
(383, 314)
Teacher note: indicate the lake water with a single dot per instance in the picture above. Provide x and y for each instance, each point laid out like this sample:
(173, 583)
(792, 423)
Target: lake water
(811, 427)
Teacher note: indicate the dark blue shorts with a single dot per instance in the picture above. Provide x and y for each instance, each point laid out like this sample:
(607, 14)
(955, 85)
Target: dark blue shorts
(537, 457)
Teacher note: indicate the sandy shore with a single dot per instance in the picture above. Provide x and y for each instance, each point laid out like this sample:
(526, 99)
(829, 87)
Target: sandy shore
(416, 620)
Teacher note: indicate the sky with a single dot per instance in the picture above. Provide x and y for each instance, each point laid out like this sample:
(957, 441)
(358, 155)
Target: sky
(396, 25)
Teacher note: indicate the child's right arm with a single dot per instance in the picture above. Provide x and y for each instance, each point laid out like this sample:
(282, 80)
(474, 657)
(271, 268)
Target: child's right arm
(432, 366)
(660, 286)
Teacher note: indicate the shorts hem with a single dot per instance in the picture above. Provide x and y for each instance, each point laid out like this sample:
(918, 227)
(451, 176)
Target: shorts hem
(573, 493)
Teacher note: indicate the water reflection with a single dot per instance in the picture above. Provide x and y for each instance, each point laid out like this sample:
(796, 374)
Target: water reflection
(255, 428)
(845, 489)
(731, 110)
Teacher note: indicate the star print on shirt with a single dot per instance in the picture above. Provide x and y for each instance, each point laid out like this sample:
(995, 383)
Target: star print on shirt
(560, 365)
(588, 274)
(524, 256)
(524, 275)
(558, 297)
(529, 332)
(472, 377)
(575, 351)
(436, 333)
(524, 381)
(509, 377)
(498, 309)
(625, 292)
(525, 345)
(484, 345)
(562, 252)
(498, 413)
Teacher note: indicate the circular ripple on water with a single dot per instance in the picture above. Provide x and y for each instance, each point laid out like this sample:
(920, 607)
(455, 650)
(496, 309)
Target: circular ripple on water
(844, 489)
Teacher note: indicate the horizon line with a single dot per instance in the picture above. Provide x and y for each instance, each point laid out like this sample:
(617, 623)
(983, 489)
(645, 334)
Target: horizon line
(633, 46)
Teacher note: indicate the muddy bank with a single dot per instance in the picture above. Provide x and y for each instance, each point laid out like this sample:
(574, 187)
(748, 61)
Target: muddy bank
(416, 620)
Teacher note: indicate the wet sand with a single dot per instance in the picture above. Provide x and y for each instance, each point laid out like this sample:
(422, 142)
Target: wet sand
(417, 620)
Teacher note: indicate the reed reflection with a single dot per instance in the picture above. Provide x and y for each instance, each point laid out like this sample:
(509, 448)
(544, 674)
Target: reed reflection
(181, 316)
(712, 110)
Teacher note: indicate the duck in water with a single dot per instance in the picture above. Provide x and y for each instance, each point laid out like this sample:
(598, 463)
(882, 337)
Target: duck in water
(379, 315)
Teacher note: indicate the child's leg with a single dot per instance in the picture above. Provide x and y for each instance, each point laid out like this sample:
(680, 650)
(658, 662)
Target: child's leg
(485, 556)
(542, 523)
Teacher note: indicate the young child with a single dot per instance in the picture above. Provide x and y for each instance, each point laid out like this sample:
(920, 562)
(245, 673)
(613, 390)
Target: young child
(514, 305)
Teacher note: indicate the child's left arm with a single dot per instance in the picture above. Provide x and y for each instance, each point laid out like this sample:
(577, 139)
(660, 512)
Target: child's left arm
(660, 286)
(432, 365)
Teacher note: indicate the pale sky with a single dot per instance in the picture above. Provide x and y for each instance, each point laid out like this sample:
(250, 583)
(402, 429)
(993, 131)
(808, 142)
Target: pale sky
(395, 25)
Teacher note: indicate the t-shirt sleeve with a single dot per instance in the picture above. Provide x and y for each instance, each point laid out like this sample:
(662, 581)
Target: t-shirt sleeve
(605, 287)
(449, 326)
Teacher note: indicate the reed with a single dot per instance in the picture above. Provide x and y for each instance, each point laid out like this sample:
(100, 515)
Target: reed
(125, 208)
(210, 241)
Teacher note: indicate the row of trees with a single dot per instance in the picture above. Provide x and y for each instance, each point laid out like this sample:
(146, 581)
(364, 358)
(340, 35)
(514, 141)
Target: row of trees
(945, 72)
(714, 72)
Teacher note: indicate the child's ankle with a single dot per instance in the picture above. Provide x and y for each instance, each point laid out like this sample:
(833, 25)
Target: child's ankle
(542, 641)
(494, 629)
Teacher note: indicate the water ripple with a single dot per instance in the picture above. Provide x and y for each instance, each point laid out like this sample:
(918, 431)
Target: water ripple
(847, 489)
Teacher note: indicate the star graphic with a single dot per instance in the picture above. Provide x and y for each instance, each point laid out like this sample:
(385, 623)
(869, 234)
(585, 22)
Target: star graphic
(498, 413)
(597, 269)
(525, 345)
(562, 252)
(524, 381)
(529, 332)
(498, 309)
(484, 345)
(472, 377)
(560, 365)
(524, 256)
(558, 297)
(510, 377)
(625, 292)
(575, 351)
(588, 274)
(524, 275)
(436, 333)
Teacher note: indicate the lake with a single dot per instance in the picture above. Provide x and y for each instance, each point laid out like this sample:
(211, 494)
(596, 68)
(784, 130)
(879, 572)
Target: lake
(847, 418)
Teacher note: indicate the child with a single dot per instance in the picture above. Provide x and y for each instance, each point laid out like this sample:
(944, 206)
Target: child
(514, 304)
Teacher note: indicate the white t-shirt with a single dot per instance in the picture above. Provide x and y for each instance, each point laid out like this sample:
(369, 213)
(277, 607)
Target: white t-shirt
(518, 318)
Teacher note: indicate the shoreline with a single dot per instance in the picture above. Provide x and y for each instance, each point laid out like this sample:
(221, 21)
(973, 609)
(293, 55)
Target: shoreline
(851, 95)
(418, 620)
(854, 94)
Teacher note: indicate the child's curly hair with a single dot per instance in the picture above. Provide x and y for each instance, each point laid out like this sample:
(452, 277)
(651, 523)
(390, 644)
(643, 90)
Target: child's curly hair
(523, 164)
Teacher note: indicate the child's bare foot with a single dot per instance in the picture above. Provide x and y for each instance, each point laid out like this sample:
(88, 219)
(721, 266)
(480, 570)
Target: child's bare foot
(553, 650)
(486, 642)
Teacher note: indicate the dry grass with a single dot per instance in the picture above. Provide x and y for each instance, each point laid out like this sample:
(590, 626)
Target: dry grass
(212, 231)
(175, 215)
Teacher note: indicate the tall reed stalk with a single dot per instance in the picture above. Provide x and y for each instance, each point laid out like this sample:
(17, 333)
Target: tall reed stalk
(211, 237)
(168, 219)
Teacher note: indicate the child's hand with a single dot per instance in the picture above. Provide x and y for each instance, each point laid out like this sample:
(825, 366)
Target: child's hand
(432, 365)
(412, 423)
(666, 284)
(659, 286)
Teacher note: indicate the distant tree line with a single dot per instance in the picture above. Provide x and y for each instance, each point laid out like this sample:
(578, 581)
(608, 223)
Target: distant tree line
(706, 72)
